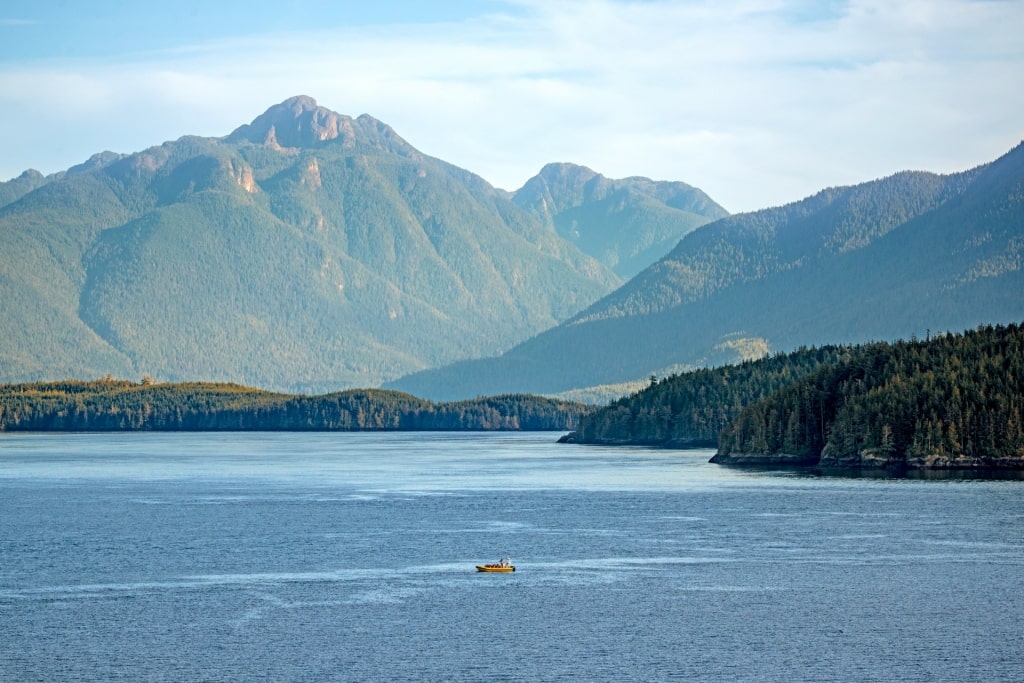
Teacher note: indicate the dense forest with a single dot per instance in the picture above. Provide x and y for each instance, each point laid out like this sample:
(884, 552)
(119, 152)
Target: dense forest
(692, 409)
(949, 401)
(120, 405)
(956, 400)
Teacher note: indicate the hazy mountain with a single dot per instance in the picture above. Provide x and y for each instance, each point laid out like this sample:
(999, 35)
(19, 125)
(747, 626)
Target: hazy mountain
(17, 188)
(305, 251)
(881, 260)
(626, 224)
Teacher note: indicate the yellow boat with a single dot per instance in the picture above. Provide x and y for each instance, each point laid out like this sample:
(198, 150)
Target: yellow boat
(502, 567)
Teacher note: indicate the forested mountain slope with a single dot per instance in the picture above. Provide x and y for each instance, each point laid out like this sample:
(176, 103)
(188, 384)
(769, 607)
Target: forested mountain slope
(887, 259)
(626, 224)
(305, 251)
(16, 188)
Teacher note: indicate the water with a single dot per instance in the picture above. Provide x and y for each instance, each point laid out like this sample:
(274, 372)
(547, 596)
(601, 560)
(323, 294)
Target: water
(349, 557)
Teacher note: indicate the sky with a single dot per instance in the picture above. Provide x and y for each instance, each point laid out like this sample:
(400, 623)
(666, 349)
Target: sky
(757, 102)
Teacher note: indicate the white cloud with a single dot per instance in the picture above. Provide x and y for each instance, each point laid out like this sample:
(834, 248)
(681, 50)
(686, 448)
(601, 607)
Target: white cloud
(756, 102)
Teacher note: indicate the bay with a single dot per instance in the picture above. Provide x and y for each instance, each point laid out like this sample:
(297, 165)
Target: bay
(350, 557)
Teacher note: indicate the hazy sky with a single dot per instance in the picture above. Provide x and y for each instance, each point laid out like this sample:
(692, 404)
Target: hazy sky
(757, 102)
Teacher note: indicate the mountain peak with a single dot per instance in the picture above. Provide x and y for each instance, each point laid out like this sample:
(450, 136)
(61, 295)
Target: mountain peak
(561, 169)
(299, 104)
(297, 122)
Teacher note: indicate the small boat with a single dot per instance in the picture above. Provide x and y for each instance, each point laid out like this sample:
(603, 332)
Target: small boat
(503, 566)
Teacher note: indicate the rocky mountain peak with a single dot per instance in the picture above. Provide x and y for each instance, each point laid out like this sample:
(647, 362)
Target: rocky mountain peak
(299, 104)
(555, 179)
(297, 122)
(561, 170)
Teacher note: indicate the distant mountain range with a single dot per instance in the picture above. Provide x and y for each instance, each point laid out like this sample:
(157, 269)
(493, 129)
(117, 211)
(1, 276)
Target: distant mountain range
(307, 251)
(896, 257)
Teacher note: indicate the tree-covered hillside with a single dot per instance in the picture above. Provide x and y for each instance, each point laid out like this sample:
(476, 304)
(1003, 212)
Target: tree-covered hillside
(955, 400)
(883, 260)
(305, 251)
(692, 408)
(949, 401)
(16, 188)
(119, 405)
(626, 224)
(755, 246)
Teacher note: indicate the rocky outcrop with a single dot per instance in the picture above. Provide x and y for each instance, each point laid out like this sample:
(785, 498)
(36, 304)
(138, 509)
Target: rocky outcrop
(311, 175)
(877, 458)
(242, 173)
(872, 459)
(760, 459)
(297, 122)
(300, 123)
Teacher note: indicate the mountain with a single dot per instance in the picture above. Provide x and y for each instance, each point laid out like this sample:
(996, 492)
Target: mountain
(15, 189)
(305, 251)
(886, 259)
(626, 224)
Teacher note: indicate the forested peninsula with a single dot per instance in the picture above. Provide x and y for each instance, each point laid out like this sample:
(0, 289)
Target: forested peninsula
(952, 401)
(120, 405)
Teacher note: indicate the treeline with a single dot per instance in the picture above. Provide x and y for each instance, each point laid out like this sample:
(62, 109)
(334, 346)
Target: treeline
(953, 401)
(120, 405)
(950, 401)
(693, 408)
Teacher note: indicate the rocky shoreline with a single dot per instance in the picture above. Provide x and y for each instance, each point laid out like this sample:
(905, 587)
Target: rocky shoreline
(871, 459)
(760, 459)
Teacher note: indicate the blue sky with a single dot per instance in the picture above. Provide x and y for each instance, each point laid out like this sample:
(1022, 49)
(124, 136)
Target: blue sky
(758, 102)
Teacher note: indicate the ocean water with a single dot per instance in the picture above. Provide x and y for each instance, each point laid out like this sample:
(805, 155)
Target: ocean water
(350, 557)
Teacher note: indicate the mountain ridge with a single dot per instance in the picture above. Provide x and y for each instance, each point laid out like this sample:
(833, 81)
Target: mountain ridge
(625, 223)
(924, 251)
(306, 250)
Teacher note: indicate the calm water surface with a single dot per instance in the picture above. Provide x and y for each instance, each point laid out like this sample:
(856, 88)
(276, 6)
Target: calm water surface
(349, 557)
